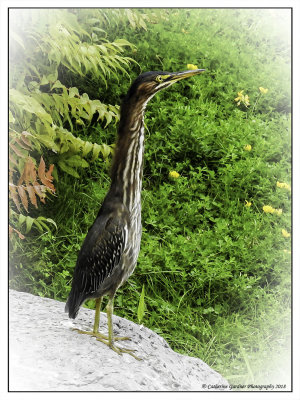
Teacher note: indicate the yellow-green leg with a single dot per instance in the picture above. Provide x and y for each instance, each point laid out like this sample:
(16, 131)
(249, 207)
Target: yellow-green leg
(97, 315)
(95, 331)
(111, 337)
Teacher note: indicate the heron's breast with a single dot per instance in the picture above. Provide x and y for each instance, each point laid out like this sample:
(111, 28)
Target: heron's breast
(132, 248)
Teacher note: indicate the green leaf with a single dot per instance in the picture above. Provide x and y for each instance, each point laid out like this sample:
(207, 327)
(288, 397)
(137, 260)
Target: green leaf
(105, 150)
(52, 77)
(142, 23)
(55, 174)
(22, 218)
(52, 222)
(94, 28)
(123, 42)
(48, 142)
(29, 104)
(44, 81)
(40, 220)
(108, 117)
(141, 306)
(17, 38)
(73, 91)
(87, 147)
(64, 148)
(76, 161)
(42, 224)
(57, 85)
(96, 151)
(93, 21)
(29, 222)
(38, 225)
(69, 170)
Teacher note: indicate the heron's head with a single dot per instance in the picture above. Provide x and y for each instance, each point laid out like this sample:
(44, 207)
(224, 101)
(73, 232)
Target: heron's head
(149, 83)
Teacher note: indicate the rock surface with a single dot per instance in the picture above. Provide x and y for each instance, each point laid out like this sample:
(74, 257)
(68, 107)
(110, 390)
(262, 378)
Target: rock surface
(45, 354)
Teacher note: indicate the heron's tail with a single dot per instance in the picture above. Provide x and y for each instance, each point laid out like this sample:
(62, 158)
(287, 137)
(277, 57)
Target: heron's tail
(73, 304)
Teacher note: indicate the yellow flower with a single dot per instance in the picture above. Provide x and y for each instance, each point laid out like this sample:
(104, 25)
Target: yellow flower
(263, 90)
(283, 185)
(285, 233)
(192, 66)
(242, 99)
(174, 174)
(248, 147)
(184, 31)
(239, 97)
(246, 100)
(287, 251)
(248, 203)
(269, 209)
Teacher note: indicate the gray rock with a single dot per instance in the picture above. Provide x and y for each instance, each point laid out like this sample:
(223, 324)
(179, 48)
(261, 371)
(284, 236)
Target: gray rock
(46, 354)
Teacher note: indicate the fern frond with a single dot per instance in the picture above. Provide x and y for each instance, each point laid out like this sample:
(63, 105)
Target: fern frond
(28, 186)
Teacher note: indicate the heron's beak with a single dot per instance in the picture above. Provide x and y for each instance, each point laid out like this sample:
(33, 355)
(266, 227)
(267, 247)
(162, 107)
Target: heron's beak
(177, 76)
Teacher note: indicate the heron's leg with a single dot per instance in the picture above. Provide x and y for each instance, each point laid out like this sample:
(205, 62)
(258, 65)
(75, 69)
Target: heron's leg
(97, 315)
(111, 337)
(109, 310)
(95, 331)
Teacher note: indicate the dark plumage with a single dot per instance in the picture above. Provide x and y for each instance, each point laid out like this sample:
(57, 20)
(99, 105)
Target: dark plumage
(109, 252)
(99, 254)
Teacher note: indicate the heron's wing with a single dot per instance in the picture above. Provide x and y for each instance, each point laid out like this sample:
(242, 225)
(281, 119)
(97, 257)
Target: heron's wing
(99, 255)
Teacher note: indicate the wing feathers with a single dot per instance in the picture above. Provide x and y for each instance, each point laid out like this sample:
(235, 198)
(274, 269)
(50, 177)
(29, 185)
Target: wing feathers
(99, 255)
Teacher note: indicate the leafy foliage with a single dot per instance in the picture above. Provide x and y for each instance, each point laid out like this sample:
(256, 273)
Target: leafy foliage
(141, 306)
(213, 275)
(32, 187)
(43, 108)
(27, 181)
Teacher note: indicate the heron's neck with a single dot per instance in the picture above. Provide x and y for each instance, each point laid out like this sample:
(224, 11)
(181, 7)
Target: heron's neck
(127, 169)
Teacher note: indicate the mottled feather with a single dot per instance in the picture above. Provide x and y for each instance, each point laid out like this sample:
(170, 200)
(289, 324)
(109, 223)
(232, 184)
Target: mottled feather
(99, 256)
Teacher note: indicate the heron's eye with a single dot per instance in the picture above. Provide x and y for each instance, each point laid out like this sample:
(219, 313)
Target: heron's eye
(159, 79)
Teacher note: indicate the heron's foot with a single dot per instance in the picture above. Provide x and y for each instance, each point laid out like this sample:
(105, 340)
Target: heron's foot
(100, 335)
(92, 333)
(122, 338)
(120, 350)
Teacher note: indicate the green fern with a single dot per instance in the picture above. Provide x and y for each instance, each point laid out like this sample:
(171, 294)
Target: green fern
(47, 50)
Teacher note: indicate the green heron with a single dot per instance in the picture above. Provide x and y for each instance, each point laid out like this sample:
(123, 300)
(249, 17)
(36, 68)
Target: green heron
(110, 250)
